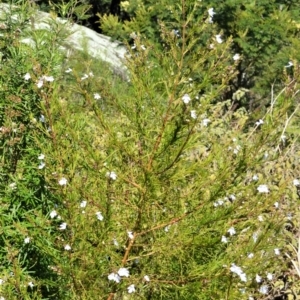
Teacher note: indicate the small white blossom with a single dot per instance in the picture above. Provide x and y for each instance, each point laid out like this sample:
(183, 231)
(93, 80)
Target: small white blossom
(91, 74)
(130, 234)
(232, 197)
(224, 239)
(255, 177)
(131, 289)
(97, 96)
(99, 216)
(283, 138)
(258, 278)
(27, 76)
(30, 284)
(186, 98)
(48, 78)
(205, 122)
(260, 218)
(40, 83)
(42, 119)
(237, 270)
(123, 272)
(85, 76)
(263, 188)
(236, 56)
(115, 242)
(264, 289)
(112, 175)
(41, 156)
(62, 181)
(69, 70)
(146, 278)
(13, 186)
(277, 251)
(231, 231)
(143, 47)
(53, 214)
(2, 298)
(290, 64)
(296, 182)
(211, 12)
(276, 204)
(1, 281)
(63, 226)
(193, 114)
(83, 204)
(41, 165)
(114, 277)
(250, 255)
(259, 122)
(219, 39)
(27, 240)
(68, 247)
(167, 228)
(270, 276)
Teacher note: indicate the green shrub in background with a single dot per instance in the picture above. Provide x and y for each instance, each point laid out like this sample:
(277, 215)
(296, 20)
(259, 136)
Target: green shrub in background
(147, 189)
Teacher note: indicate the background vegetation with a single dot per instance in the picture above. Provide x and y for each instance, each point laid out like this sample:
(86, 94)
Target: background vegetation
(178, 184)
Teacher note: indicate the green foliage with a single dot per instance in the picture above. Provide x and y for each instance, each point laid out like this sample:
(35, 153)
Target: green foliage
(154, 176)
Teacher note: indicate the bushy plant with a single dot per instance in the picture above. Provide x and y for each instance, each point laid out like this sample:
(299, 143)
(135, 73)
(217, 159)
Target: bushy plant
(145, 189)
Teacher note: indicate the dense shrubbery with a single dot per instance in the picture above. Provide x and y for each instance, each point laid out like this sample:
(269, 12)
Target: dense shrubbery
(146, 189)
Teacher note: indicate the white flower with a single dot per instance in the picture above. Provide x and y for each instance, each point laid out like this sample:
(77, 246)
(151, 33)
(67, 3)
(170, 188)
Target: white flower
(250, 255)
(186, 99)
(255, 177)
(258, 278)
(27, 76)
(68, 247)
(193, 114)
(290, 64)
(205, 122)
(91, 74)
(131, 289)
(1, 281)
(97, 96)
(85, 76)
(13, 186)
(41, 156)
(63, 226)
(211, 46)
(237, 270)
(115, 242)
(130, 234)
(259, 122)
(83, 204)
(270, 276)
(224, 239)
(2, 298)
(53, 214)
(30, 284)
(146, 278)
(211, 12)
(27, 240)
(260, 218)
(99, 216)
(236, 56)
(231, 231)
(263, 188)
(112, 175)
(41, 165)
(219, 39)
(264, 289)
(123, 272)
(48, 78)
(62, 181)
(42, 119)
(276, 204)
(296, 182)
(232, 197)
(277, 251)
(40, 83)
(69, 70)
(167, 228)
(114, 277)
(143, 47)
